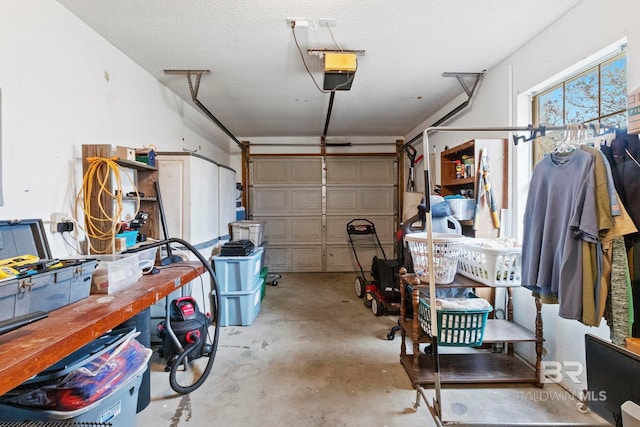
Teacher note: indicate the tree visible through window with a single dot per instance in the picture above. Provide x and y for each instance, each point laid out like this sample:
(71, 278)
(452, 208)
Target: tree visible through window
(597, 95)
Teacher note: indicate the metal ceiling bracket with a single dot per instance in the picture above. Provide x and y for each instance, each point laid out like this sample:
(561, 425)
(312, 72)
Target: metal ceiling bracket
(322, 52)
(188, 73)
(194, 97)
(462, 106)
(459, 76)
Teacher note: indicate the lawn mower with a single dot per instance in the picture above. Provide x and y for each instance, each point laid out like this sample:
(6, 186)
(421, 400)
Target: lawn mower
(382, 293)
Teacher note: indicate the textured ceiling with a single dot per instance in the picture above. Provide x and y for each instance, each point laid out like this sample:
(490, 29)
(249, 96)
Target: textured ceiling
(258, 84)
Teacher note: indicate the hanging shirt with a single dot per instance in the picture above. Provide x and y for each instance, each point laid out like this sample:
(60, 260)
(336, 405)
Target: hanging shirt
(592, 265)
(559, 215)
(625, 150)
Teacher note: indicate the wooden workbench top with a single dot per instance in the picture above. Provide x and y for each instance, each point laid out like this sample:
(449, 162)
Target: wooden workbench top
(29, 350)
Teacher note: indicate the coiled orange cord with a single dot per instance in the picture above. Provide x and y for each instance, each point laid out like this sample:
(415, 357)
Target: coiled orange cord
(96, 187)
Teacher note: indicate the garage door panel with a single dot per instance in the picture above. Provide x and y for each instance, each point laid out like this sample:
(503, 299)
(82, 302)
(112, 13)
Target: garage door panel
(380, 198)
(269, 200)
(342, 258)
(360, 171)
(284, 171)
(292, 230)
(339, 171)
(305, 219)
(276, 258)
(306, 229)
(294, 258)
(360, 201)
(306, 171)
(341, 200)
(337, 229)
(276, 201)
(276, 229)
(376, 171)
(304, 200)
(274, 171)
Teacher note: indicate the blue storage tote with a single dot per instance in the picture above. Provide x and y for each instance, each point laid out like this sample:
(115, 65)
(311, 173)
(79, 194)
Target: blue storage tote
(240, 308)
(238, 273)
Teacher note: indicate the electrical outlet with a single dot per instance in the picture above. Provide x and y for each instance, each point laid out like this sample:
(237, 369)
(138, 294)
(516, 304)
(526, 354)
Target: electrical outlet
(56, 218)
(292, 20)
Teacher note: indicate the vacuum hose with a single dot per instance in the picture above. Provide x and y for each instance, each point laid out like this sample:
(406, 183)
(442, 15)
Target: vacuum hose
(183, 358)
(216, 302)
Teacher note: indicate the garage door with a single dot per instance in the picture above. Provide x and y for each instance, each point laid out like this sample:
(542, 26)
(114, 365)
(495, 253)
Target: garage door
(306, 203)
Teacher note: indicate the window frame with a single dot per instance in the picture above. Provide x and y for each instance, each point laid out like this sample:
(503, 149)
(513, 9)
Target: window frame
(538, 150)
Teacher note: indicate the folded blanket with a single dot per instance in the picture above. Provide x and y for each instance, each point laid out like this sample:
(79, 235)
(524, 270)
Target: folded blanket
(500, 243)
(462, 304)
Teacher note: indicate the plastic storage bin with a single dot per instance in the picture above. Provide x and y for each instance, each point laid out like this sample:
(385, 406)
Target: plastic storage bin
(252, 230)
(456, 328)
(462, 209)
(264, 273)
(446, 250)
(240, 308)
(238, 273)
(115, 272)
(147, 258)
(492, 267)
(117, 406)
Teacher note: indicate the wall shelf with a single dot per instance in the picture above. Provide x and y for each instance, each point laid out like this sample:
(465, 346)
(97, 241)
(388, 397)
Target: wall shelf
(144, 180)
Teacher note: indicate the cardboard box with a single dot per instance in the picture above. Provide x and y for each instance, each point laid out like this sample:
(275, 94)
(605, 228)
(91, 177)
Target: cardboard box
(125, 153)
(633, 112)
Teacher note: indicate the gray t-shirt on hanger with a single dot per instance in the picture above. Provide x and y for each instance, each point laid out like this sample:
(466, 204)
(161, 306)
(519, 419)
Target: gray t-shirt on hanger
(560, 213)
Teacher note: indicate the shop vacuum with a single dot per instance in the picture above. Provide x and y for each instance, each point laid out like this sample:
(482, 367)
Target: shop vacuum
(189, 327)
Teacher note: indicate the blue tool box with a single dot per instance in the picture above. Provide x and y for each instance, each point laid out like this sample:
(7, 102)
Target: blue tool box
(50, 285)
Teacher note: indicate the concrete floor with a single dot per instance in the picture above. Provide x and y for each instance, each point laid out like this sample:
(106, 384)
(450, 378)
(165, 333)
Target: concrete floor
(316, 356)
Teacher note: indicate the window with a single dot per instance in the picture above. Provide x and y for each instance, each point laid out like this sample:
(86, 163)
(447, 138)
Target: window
(597, 94)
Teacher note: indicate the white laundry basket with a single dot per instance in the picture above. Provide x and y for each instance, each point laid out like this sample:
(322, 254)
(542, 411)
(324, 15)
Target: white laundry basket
(445, 253)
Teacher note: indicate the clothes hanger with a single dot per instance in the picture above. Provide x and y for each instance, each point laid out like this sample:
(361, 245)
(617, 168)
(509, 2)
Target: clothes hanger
(567, 145)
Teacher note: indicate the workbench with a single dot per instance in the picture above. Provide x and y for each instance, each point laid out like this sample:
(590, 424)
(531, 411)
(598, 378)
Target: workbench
(29, 350)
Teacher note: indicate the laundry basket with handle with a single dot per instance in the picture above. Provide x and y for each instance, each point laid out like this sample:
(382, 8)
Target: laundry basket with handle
(459, 326)
(445, 252)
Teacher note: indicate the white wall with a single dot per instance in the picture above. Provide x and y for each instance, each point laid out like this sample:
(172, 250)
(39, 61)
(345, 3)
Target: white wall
(589, 27)
(63, 86)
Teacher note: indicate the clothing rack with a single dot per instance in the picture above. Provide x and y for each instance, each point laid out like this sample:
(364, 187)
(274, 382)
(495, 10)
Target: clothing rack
(541, 131)
(534, 132)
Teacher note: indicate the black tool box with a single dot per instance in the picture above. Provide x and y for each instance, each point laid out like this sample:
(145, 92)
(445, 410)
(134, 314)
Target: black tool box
(242, 247)
(44, 285)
